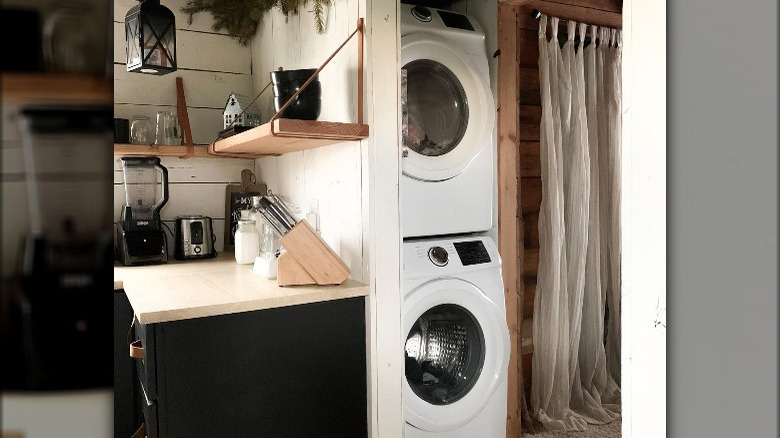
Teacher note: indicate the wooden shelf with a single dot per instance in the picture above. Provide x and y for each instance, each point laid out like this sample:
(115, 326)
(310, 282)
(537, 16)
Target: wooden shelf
(49, 87)
(289, 135)
(200, 151)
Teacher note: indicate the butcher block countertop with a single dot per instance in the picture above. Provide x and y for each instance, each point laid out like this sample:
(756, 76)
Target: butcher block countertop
(198, 288)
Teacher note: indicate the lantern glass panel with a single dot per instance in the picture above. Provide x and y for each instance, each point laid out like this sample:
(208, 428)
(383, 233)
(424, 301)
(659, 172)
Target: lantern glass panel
(132, 38)
(159, 42)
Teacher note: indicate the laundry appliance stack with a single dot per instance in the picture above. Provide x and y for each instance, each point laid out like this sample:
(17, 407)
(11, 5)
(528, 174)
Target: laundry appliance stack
(456, 349)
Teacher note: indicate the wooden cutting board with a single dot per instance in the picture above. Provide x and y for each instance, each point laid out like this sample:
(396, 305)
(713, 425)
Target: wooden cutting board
(239, 197)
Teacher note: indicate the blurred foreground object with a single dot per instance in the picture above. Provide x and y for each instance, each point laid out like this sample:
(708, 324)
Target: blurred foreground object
(60, 321)
(21, 29)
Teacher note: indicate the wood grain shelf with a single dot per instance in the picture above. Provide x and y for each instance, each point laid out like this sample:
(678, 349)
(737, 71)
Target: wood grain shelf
(199, 151)
(49, 87)
(288, 135)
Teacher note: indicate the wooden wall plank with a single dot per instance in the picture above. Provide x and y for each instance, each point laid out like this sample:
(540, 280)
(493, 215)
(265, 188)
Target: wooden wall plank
(184, 199)
(530, 97)
(198, 170)
(202, 88)
(530, 296)
(530, 114)
(529, 132)
(530, 166)
(529, 78)
(528, 47)
(531, 230)
(604, 5)
(510, 243)
(531, 261)
(206, 122)
(530, 194)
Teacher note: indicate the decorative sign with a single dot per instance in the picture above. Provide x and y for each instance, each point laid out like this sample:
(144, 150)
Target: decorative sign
(239, 197)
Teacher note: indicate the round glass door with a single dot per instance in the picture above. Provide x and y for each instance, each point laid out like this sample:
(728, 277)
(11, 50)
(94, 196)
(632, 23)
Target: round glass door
(437, 108)
(455, 352)
(449, 111)
(444, 354)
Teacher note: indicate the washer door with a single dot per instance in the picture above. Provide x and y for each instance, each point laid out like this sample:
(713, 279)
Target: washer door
(450, 111)
(456, 352)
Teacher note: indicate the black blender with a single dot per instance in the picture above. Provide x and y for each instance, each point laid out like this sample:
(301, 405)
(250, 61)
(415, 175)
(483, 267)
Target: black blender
(141, 239)
(58, 318)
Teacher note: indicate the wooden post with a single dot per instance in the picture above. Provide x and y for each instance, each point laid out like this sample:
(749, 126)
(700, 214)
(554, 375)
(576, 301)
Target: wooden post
(509, 220)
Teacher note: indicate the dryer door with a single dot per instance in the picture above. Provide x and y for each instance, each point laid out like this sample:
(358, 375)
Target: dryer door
(450, 110)
(456, 353)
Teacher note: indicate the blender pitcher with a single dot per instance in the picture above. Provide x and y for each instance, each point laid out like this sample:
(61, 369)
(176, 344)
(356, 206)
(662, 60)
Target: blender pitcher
(143, 196)
(141, 239)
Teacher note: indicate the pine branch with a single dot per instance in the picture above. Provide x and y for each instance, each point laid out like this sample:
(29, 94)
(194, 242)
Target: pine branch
(240, 18)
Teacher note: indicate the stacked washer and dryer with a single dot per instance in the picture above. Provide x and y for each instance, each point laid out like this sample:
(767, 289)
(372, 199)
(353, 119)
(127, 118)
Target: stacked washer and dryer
(456, 349)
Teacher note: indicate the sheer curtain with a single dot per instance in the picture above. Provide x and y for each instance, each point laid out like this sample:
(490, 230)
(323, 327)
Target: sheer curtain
(576, 366)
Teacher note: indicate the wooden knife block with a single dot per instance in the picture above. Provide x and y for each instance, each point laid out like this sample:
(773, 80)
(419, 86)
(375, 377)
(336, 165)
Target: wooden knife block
(308, 259)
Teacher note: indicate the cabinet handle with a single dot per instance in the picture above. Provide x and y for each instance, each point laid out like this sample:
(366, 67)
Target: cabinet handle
(136, 350)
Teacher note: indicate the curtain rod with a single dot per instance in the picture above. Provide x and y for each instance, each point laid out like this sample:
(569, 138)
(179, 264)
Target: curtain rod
(536, 15)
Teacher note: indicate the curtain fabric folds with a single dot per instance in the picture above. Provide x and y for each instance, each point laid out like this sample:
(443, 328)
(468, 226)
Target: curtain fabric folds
(576, 366)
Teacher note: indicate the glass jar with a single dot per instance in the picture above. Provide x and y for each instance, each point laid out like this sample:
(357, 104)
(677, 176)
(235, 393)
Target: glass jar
(141, 130)
(247, 246)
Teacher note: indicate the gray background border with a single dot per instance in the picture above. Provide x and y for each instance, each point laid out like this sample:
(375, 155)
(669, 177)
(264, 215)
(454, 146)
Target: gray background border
(722, 218)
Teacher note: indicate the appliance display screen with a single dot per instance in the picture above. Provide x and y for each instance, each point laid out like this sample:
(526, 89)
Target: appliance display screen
(472, 253)
(455, 20)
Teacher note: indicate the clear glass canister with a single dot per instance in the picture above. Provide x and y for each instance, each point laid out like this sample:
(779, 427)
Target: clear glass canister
(247, 246)
(141, 130)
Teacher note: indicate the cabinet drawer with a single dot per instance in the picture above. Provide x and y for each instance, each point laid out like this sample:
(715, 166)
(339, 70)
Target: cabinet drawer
(144, 336)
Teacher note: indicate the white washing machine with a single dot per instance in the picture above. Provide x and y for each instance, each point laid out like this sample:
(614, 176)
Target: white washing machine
(456, 350)
(447, 152)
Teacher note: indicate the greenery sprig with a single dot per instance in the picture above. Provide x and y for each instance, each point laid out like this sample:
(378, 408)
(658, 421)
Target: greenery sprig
(240, 18)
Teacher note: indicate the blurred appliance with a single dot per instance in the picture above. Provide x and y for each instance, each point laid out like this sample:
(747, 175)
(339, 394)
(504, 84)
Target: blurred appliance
(141, 239)
(194, 238)
(22, 25)
(59, 297)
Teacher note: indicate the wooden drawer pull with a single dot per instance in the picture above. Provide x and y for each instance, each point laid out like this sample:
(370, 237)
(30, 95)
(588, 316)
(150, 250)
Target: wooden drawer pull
(136, 350)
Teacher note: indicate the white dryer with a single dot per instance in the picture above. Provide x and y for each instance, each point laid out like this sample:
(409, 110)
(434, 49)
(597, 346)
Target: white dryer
(456, 348)
(447, 152)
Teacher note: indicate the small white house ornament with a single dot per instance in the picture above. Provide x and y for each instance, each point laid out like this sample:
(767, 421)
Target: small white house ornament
(238, 109)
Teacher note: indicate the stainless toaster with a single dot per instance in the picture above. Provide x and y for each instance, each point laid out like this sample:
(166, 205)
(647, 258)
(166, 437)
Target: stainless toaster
(194, 238)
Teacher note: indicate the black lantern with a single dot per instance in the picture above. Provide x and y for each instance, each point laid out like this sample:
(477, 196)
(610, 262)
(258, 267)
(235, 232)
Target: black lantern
(150, 33)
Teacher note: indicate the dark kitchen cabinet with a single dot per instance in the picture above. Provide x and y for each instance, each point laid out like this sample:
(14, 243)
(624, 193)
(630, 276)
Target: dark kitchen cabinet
(127, 387)
(289, 372)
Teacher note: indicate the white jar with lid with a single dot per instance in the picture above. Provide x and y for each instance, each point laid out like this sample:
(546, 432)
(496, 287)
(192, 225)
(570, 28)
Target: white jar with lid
(247, 246)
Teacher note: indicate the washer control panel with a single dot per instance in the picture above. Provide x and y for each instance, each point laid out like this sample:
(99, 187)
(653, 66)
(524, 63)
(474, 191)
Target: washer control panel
(449, 256)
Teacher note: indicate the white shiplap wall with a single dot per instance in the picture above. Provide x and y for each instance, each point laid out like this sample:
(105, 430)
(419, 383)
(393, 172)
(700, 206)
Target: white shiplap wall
(330, 175)
(355, 183)
(212, 65)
